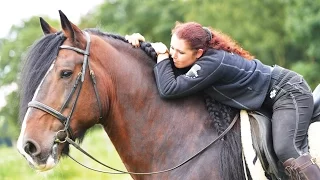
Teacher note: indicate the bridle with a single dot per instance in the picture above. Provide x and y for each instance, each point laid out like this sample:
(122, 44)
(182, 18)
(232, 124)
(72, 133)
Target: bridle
(65, 135)
(65, 120)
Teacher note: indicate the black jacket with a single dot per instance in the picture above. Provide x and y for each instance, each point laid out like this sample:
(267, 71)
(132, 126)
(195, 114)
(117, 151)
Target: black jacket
(226, 77)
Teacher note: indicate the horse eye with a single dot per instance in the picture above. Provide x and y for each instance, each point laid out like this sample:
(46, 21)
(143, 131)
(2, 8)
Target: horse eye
(65, 74)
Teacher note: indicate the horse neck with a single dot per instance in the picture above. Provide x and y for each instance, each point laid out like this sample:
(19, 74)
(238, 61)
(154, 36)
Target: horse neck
(133, 88)
(140, 123)
(126, 81)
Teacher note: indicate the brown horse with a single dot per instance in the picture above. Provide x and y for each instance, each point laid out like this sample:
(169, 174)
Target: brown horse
(76, 78)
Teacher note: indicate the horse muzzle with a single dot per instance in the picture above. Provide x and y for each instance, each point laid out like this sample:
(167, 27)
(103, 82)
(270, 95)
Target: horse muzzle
(39, 158)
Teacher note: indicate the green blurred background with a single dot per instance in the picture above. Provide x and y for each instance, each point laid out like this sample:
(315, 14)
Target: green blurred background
(283, 32)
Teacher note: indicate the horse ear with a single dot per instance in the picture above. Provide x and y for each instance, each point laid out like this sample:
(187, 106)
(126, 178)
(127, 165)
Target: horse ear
(46, 28)
(70, 30)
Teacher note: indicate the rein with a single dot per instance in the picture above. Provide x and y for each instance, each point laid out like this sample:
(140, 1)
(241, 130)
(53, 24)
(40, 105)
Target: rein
(62, 136)
(148, 173)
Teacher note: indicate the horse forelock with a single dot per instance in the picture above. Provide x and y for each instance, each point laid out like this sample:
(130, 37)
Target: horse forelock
(35, 65)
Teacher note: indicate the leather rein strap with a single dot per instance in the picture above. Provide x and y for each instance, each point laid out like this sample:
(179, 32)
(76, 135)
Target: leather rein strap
(66, 120)
(148, 173)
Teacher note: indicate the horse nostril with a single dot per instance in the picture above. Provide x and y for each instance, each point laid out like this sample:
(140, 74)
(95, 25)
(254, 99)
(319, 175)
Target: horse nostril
(32, 148)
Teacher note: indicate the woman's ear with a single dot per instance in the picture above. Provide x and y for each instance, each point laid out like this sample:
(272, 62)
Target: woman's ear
(199, 53)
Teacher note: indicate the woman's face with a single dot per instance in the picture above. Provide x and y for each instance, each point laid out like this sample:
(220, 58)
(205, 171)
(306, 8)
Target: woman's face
(182, 54)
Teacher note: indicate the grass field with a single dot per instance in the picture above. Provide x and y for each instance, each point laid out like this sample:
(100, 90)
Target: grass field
(14, 167)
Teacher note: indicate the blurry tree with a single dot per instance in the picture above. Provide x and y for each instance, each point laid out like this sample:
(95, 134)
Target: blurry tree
(12, 50)
(303, 28)
(255, 24)
(153, 19)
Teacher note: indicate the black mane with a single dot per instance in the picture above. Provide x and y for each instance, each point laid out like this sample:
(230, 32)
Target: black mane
(145, 46)
(35, 64)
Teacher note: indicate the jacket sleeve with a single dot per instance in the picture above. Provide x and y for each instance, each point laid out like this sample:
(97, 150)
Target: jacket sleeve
(200, 76)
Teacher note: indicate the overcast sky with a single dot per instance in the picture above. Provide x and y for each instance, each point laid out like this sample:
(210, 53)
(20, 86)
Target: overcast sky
(14, 11)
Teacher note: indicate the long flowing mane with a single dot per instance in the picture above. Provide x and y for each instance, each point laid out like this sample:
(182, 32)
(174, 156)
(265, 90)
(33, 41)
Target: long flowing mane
(35, 65)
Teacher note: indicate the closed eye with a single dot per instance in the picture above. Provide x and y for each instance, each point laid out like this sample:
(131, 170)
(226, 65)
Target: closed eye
(65, 73)
(179, 51)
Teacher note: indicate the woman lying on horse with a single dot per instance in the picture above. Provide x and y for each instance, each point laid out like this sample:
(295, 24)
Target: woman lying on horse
(219, 67)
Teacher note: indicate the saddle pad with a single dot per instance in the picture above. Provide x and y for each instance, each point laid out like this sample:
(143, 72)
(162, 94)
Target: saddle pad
(253, 163)
(314, 144)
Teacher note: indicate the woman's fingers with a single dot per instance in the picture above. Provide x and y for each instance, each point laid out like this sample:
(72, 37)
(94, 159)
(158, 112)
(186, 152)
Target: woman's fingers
(136, 42)
(134, 39)
(138, 36)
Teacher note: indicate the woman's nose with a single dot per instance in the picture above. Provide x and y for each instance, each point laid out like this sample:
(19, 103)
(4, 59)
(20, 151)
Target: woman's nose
(173, 54)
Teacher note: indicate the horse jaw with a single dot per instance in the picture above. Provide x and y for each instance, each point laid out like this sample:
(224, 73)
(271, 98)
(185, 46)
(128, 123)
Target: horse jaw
(52, 159)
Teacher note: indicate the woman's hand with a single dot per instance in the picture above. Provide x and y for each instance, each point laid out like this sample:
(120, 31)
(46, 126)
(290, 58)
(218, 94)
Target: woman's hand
(161, 50)
(135, 39)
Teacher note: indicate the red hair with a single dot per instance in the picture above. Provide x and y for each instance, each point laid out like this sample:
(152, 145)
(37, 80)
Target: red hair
(199, 37)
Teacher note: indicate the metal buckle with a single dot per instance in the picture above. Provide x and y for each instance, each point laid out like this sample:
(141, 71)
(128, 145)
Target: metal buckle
(61, 138)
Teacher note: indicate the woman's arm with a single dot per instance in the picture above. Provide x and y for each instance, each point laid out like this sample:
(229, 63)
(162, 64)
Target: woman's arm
(203, 74)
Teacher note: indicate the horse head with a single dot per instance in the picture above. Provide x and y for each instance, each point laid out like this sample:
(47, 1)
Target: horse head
(53, 114)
